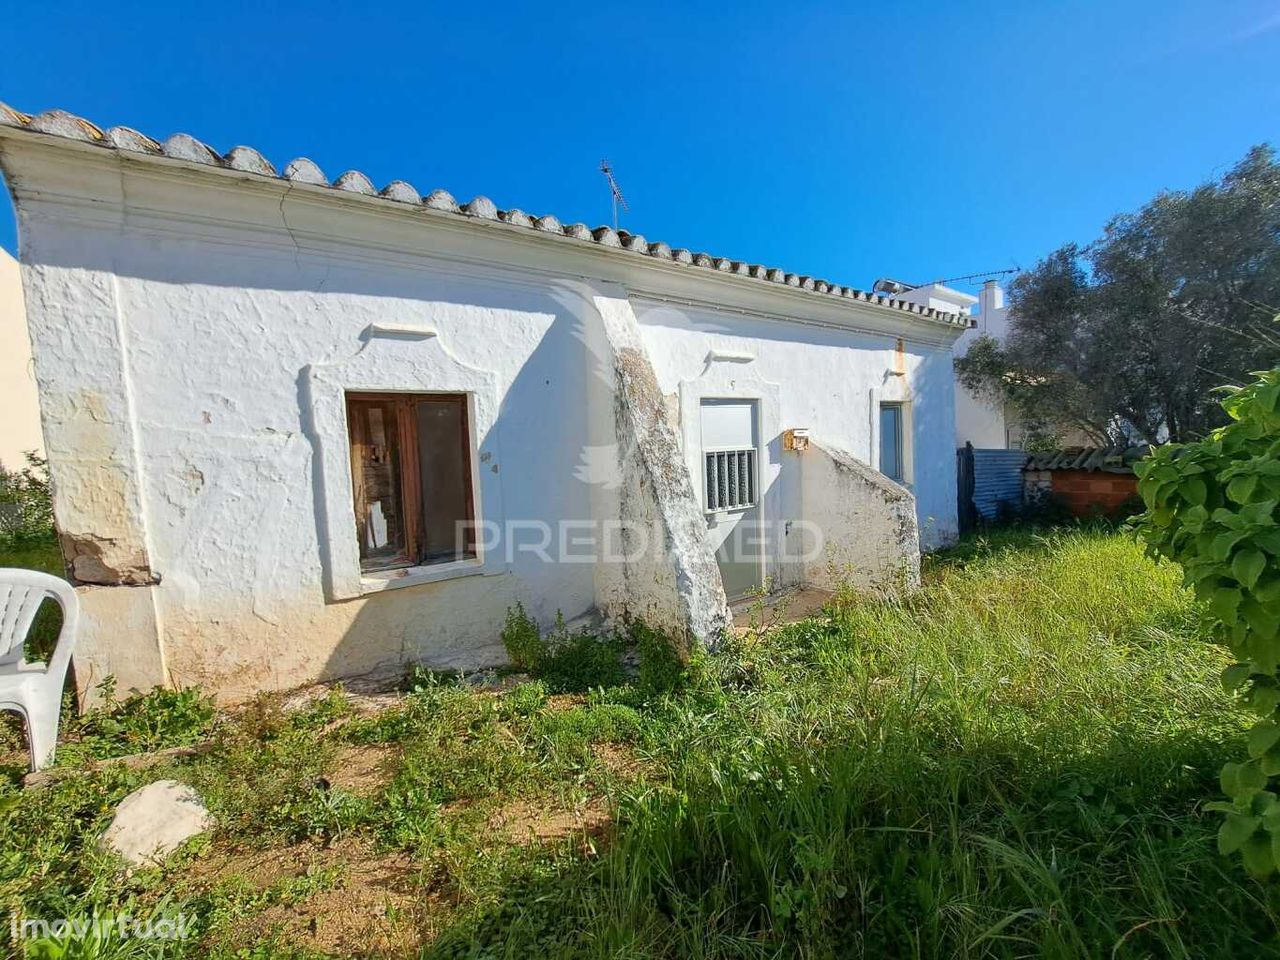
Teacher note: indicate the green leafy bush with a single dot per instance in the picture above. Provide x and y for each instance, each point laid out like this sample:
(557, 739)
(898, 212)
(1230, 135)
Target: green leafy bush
(576, 662)
(1212, 508)
(522, 639)
(662, 666)
(566, 662)
(143, 722)
(26, 509)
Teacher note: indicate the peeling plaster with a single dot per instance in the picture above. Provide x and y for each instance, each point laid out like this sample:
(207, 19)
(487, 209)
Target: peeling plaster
(97, 560)
(229, 475)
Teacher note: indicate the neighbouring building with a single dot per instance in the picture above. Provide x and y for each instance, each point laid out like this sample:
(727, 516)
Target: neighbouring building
(986, 423)
(19, 406)
(987, 436)
(1085, 481)
(302, 428)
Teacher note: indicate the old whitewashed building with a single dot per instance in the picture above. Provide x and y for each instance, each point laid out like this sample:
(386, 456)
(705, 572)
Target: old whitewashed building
(303, 428)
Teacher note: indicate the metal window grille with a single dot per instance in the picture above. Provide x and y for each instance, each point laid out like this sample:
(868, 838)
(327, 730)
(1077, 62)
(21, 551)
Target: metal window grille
(731, 479)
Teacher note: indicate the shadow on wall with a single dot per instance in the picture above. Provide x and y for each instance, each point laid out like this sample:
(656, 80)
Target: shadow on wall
(537, 445)
(228, 466)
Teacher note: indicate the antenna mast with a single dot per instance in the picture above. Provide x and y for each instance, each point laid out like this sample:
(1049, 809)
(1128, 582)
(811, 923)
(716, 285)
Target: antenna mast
(975, 276)
(615, 191)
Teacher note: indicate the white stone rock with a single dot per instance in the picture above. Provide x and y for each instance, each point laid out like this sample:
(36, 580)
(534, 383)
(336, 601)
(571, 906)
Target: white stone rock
(155, 820)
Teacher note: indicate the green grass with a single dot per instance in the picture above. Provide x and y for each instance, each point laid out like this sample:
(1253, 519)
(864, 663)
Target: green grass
(42, 554)
(1010, 763)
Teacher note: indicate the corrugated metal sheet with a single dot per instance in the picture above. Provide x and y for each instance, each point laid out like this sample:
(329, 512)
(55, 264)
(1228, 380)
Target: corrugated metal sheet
(997, 478)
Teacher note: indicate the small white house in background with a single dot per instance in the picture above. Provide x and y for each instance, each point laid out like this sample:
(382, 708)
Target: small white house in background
(302, 428)
(985, 423)
(19, 406)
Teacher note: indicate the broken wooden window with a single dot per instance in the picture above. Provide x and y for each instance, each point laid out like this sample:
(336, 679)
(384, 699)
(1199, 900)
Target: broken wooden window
(411, 478)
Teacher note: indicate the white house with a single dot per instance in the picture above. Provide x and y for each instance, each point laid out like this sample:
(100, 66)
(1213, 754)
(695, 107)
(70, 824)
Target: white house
(301, 429)
(986, 423)
(982, 421)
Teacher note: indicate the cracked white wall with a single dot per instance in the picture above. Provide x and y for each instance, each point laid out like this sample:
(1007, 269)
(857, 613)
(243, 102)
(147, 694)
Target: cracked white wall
(175, 312)
(826, 380)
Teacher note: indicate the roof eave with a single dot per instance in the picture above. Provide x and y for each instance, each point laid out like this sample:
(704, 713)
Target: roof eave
(182, 152)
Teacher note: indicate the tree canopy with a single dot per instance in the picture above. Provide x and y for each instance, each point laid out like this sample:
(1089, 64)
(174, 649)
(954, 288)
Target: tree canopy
(1126, 338)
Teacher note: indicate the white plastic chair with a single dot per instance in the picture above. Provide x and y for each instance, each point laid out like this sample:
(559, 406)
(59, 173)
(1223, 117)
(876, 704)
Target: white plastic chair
(34, 689)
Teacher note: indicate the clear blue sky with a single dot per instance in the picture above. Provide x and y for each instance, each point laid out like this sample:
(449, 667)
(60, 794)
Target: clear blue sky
(847, 141)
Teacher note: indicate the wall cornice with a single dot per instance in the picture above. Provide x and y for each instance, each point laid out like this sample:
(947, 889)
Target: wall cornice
(79, 183)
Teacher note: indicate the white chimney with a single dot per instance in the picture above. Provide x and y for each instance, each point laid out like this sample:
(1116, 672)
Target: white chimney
(991, 311)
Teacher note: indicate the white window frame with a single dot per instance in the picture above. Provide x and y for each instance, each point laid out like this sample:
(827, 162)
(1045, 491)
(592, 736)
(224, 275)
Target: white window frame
(395, 359)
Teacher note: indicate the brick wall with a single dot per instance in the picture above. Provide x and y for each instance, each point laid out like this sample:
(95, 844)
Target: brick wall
(1088, 493)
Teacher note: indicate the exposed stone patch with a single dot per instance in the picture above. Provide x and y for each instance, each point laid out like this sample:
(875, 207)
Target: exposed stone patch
(155, 820)
(97, 560)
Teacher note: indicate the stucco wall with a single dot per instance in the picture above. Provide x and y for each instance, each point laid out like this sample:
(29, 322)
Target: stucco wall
(20, 423)
(827, 380)
(184, 325)
(228, 466)
(868, 523)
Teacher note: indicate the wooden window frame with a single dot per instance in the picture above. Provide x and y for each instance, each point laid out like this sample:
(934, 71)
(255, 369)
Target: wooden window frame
(410, 478)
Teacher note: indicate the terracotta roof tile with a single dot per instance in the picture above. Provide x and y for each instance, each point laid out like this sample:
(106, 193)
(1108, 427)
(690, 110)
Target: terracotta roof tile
(1089, 459)
(181, 146)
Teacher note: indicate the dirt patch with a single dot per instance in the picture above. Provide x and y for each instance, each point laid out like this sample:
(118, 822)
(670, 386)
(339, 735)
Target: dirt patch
(343, 899)
(619, 760)
(365, 695)
(362, 770)
(533, 822)
(779, 610)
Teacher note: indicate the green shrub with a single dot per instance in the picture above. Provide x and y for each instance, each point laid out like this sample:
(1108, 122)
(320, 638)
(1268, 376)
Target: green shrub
(566, 662)
(1212, 507)
(522, 640)
(662, 665)
(143, 722)
(26, 509)
(580, 661)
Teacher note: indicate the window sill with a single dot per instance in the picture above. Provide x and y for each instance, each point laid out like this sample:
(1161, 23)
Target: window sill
(728, 511)
(379, 580)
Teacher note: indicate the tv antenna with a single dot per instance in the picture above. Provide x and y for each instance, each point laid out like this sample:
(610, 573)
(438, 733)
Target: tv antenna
(979, 276)
(615, 191)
